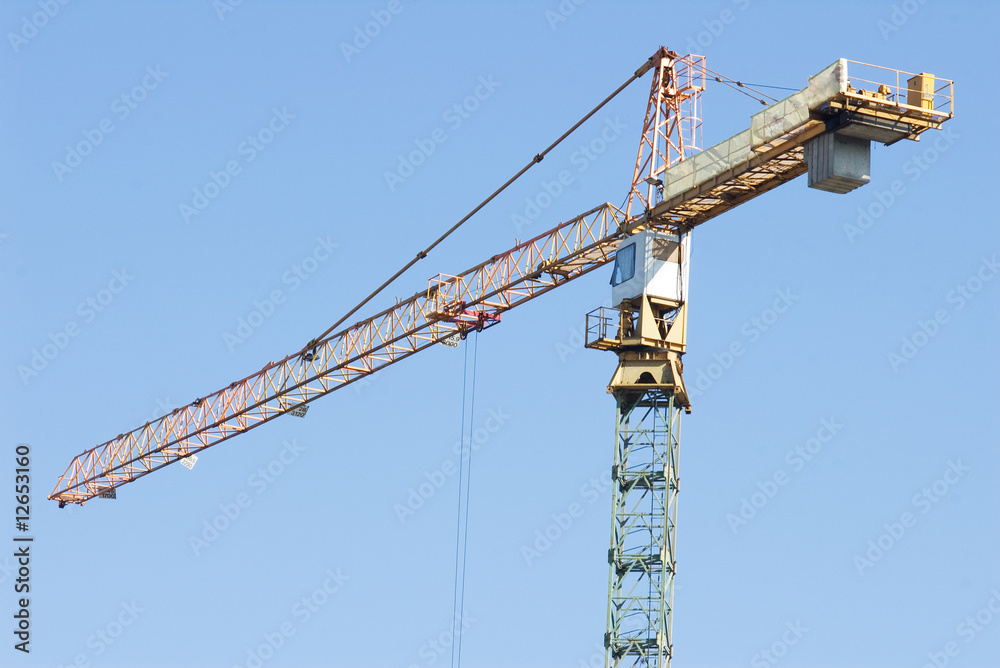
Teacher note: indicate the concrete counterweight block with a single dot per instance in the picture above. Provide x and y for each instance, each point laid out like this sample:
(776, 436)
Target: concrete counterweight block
(838, 163)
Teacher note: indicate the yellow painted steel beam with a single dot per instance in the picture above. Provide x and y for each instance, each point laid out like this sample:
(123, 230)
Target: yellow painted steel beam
(526, 271)
(767, 155)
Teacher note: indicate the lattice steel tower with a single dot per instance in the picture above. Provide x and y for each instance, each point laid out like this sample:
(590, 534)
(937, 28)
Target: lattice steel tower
(646, 327)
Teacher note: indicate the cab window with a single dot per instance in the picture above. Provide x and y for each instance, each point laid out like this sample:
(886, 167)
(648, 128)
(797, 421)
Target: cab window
(624, 265)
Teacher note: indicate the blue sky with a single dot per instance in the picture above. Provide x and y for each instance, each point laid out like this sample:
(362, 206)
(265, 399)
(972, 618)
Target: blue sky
(877, 550)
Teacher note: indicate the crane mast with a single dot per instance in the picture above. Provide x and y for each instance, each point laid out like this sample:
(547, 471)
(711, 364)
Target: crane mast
(646, 327)
(825, 129)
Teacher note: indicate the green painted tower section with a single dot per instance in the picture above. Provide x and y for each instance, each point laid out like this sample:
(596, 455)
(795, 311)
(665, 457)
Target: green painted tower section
(642, 554)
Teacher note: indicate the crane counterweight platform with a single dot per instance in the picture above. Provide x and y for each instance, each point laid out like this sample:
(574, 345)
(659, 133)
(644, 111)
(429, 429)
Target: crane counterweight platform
(825, 129)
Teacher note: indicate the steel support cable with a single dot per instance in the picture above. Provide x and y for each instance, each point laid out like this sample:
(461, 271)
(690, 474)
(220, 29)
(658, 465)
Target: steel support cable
(719, 76)
(737, 89)
(538, 158)
(739, 85)
(752, 86)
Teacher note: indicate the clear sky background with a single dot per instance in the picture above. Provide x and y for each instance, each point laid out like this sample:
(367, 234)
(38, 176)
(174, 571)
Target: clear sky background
(102, 245)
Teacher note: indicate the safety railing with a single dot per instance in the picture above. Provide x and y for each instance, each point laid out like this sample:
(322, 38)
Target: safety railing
(603, 328)
(911, 93)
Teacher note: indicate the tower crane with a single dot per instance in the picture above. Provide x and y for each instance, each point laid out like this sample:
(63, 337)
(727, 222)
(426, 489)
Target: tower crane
(825, 129)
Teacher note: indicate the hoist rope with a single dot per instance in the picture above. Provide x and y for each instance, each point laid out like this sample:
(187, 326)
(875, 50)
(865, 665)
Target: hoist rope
(462, 529)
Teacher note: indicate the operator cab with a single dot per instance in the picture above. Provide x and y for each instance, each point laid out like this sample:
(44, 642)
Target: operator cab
(651, 264)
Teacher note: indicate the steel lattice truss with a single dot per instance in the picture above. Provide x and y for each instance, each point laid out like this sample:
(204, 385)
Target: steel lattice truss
(671, 130)
(452, 305)
(740, 184)
(642, 563)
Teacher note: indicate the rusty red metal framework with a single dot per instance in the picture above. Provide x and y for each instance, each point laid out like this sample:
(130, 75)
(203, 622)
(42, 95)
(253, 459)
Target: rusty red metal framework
(671, 130)
(476, 298)
(449, 308)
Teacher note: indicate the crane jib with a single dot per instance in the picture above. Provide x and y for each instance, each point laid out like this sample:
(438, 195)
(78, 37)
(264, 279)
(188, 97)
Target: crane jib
(685, 194)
